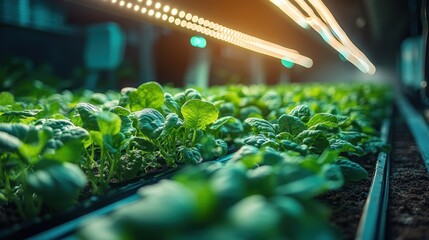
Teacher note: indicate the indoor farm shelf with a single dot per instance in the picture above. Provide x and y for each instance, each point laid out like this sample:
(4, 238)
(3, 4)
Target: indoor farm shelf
(294, 142)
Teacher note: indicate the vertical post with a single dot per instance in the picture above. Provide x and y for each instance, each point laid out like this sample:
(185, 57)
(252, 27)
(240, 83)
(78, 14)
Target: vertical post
(198, 72)
(257, 71)
(146, 61)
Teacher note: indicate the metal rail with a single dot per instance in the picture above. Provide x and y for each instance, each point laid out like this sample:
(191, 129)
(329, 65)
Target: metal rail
(418, 127)
(373, 220)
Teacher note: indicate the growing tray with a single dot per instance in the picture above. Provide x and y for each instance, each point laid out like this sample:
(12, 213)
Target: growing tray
(371, 225)
(373, 219)
(55, 226)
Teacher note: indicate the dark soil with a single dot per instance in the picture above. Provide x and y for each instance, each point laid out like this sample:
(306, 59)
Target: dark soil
(408, 211)
(347, 203)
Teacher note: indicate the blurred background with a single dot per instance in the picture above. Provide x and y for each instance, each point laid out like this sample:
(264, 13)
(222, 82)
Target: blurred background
(94, 45)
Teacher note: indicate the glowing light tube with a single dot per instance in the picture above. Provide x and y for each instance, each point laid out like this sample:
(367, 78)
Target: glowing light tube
(340, 42)
(179, 18)
(330, 19)
(289, 9)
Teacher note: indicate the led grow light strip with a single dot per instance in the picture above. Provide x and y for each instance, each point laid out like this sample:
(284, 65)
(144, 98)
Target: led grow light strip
(192, 22)
(359, 60)
(344, 46)
(330, 19)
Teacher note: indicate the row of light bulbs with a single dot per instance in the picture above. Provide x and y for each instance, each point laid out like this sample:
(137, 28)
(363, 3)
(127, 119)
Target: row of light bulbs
(192, 22)
(327, 27)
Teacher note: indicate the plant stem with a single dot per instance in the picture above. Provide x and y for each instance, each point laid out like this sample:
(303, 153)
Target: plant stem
(112, 167)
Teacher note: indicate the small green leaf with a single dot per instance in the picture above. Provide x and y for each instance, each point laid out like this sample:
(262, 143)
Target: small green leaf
(352, 171)
(323, 119)
(315, 139)
(272, 100)
(344, 146)
(171, 104)
(151, 122)
(255, 217)
(291, 124)
(302, 112)
(121, 111)
(147, 95)
(58, 184)
(70, 152)
(9, 143)
(260, 125)
(6, 98)
(198, 114)
(25, 116)
(97, 138)
(306, 187)
(333, 176)
(189, 155)
(87, 114)
(108, 123)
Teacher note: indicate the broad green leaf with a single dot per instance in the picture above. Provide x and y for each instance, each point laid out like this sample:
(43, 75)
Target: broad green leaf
(328, 157)
(333, 176)
(289, 145)
(63, 129)
(323, 119)
(291, 124)
(70, 152)
(6, 98)
(87, 113)
(352, 137)
(108, 123)
(228, 126)
(230, 183)
(250, 156)
(256, 140)
(306, 188)
(9, 143)
(191, 93)
(121, 111)
(171, 104)
(147, 95)
(198, 114)
(58, 184)
(260, 125)
(272, 100)
(150, 122)
(220, 122)
(315, 139)
(97, 138)
(127, 127)
(341, 145)
(211, 148)
(227, 109)
(302, 112)
(25, 116)
(172, 121)
(352, 171)
(255, 217)
(189, 155)
(142, 144)
(18, 130)
(250, 112)
(114, 143)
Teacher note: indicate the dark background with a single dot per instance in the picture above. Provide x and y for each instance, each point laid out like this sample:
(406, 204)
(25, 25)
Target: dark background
(377, 27)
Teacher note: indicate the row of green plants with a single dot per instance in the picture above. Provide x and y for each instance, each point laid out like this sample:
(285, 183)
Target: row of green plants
(59, 148)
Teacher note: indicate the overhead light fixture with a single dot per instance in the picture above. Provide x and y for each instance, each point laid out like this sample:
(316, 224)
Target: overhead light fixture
(189, 21)
(328, 28)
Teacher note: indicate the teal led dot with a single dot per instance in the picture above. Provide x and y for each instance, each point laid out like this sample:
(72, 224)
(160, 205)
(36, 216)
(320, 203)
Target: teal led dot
(198, 41)
(287, 63)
